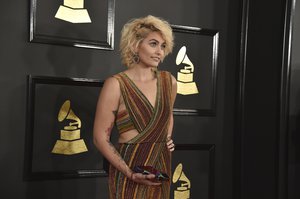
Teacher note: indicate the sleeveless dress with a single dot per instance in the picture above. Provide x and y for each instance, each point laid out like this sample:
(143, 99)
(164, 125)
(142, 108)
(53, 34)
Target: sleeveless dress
(149, 146)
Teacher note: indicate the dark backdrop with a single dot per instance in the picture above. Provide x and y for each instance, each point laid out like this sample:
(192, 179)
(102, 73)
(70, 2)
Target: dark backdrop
(255, 170)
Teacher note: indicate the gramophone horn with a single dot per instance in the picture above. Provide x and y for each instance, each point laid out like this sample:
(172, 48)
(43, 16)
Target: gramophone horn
(183, 58)
(177, 173)
(181, 54)
(67, 113)
(64, 110)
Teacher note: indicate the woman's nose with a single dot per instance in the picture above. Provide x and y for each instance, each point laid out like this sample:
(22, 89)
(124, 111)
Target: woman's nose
(159, 50)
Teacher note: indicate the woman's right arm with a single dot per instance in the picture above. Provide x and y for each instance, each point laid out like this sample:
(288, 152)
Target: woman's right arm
(107, 107)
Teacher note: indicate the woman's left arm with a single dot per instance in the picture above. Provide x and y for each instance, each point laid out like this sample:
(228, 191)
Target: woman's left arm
(170, 144)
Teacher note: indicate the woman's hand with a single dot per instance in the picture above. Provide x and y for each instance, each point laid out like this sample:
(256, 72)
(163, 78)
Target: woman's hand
(145, 179)
(170, 144)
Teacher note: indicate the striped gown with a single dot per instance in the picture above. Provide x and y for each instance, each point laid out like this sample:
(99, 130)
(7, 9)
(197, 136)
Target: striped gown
(149, 146)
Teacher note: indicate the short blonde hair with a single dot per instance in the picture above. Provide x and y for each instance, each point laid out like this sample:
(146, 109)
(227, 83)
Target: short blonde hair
(135, 30)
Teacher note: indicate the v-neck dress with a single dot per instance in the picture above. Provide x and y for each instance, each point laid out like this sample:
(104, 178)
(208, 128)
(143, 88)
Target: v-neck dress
(149, 146)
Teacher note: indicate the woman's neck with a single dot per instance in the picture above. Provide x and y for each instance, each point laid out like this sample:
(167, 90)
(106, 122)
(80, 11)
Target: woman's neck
(141, 74)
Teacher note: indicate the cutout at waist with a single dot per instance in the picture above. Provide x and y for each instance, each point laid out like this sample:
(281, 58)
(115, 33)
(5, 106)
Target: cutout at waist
(123, 122)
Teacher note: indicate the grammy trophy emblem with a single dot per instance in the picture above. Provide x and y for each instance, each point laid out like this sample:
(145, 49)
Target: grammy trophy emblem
(185, 82)
(69, 142)
(73, 11)
(182, 192)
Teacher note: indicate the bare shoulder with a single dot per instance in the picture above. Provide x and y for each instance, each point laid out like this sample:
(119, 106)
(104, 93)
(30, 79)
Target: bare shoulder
(174, 87)
(174, 81)
(112, 84)
(111, 88)
(172, 77)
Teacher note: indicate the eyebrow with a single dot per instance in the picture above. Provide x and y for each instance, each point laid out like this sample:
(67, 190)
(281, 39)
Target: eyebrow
(156, 41)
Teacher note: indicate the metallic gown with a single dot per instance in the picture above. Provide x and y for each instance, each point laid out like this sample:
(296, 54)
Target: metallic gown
(149, 146)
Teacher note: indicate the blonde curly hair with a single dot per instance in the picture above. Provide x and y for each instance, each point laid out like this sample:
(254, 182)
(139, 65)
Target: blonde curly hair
(135, 30)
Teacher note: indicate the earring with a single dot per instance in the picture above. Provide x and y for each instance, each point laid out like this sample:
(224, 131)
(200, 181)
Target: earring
(136, 58)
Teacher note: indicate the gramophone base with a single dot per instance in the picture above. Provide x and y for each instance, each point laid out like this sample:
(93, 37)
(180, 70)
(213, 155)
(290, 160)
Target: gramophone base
(73, 15)
(69, 147)
(182, 194)
(187, 88)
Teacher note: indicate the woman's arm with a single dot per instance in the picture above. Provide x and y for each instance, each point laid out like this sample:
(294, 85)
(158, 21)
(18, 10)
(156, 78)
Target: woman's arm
(170, 144)
(107, 107)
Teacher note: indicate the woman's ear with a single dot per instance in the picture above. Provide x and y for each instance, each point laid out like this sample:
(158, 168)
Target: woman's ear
(135, 48)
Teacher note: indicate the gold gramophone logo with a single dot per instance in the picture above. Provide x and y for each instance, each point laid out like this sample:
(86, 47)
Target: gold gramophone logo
(183, 191)
(73, 11)
(185, 77)
(69, 142)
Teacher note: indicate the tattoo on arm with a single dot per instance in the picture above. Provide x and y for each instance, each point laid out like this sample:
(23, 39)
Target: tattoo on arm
(121, 165)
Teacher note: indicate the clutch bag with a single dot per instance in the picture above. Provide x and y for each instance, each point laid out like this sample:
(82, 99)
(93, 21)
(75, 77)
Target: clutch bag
(146, 170)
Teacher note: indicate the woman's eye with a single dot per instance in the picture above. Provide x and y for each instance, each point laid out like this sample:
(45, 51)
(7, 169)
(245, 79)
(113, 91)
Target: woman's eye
(153, 44)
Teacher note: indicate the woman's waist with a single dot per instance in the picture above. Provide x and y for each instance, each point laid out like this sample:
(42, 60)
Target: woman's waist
(158, 142)
(135, 137)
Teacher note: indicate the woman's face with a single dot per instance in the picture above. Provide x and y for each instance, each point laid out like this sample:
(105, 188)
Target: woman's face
(151, 50)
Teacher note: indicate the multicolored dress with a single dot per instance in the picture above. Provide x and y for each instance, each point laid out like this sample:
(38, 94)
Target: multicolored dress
(149, 146)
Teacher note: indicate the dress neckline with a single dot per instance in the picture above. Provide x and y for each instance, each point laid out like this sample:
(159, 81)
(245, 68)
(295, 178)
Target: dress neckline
(153, 106)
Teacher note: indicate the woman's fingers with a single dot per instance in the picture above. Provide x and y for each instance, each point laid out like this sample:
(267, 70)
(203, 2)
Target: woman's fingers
(170, 145)
(145, 179)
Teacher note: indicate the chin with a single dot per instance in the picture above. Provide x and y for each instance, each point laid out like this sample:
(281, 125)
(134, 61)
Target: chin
(155, 65)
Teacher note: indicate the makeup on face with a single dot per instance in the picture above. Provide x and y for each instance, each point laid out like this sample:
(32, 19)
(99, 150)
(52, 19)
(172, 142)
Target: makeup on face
(151, 50)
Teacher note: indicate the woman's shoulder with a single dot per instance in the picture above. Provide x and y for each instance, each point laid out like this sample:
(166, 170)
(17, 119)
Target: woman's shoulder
(112, 82)
(170, 78)
(164, 73)
(168, 74)
(115, 77)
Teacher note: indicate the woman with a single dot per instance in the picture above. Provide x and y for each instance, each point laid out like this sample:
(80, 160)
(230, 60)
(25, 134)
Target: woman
(140, 102)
